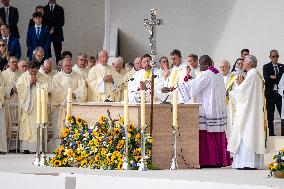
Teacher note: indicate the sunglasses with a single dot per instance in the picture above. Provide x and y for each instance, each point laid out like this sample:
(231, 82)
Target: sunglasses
(276, 56)
(2, 45)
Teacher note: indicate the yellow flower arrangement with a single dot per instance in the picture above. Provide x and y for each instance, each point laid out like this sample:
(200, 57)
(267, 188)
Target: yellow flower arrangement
(131, 127)
(57, 163)
(79, 121)
(70, 153)
(64, 132)
(278, 164)
(102, 119)
(84, 163)
(99, 147)
(76, 135)
(120, 144)
(121, 120)
(137, 136)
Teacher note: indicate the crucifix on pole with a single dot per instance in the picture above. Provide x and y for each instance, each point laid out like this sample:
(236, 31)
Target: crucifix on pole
(152, 23)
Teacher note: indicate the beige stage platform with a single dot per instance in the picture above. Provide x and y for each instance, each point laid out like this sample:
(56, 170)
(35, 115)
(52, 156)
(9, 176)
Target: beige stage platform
(17, 172)
(188, 133)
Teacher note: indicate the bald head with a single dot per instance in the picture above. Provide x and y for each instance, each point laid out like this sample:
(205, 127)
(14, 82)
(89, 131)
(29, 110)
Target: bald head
(67, 66)
(137, 63)
(225, 67)
(22, 66)
(103, 57)
(47, 66)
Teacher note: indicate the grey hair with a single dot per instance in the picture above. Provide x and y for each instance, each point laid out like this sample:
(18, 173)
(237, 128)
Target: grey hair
(252, 60)
(82, 54)
(38, 49)
(227, 62)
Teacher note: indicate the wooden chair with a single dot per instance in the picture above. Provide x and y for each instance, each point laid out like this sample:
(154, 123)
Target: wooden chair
(13, 125)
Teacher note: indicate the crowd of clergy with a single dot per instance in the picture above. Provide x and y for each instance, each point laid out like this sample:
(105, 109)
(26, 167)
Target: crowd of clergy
(232, 116)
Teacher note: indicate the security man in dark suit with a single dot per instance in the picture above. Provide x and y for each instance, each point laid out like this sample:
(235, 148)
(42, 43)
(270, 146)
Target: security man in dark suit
(10, 16)
(272, 73)
(54, 15)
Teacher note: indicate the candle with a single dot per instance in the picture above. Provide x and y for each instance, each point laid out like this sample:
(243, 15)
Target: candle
(38, 110)
(69, 100)
(143, 99)
(126, 108)
(174, 102)
(43, 106)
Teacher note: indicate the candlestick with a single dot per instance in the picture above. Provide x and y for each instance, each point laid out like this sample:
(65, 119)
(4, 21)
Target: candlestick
(43, 106)
(126, 114)
(143, 99)
(68, 105)
(38, 102)
(125, 165)
(175, 100)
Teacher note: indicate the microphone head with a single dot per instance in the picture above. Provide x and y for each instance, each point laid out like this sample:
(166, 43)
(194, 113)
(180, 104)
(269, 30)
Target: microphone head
(132, 79)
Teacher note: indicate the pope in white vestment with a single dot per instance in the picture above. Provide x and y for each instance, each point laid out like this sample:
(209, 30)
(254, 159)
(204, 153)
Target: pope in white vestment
(210, 90)
(247, 140)
(3, 138)
(26, 86)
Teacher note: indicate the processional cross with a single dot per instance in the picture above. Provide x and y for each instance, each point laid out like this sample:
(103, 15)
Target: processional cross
(152, 22)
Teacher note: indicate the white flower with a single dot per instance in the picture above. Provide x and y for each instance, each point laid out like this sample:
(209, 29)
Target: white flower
(131, 162)
(282, 158)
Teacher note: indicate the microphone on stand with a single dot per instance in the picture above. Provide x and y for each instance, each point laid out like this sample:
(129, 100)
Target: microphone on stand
(107, 99)
(165, 100)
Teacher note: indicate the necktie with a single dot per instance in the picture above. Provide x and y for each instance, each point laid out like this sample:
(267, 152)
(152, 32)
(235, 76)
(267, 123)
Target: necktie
(38, 32)
(51, 7)
(276, 70)
(7, 15)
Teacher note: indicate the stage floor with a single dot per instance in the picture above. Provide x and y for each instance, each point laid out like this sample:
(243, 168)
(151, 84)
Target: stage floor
(19, 164)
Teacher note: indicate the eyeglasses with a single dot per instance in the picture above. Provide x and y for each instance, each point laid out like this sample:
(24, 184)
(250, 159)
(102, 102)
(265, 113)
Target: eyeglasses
(2, 45)
(24, 65)
(276, 56)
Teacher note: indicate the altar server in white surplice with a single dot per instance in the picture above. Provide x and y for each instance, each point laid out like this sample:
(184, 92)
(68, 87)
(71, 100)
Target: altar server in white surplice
(178, 72)
(26, 87)
(210, 90)
(247, 140)
(102, 80)
(60, 83)
(3, 138)
(162, 80)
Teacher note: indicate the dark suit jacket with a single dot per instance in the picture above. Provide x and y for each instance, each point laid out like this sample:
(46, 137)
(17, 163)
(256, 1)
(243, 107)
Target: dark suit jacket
(14, 47)
(13, 20)
(43, 41)
(56, 20)
(268, 70)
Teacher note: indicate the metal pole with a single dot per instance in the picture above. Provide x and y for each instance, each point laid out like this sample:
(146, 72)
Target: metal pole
(142, 166)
